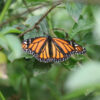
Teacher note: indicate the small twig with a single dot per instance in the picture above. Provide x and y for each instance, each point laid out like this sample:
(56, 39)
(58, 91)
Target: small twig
(26, 6)
(60, 29)
(38, 22)
(21, 14)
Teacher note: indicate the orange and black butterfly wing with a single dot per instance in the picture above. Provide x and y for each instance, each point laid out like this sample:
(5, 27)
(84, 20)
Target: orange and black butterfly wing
(34, 45)
(57, 54)
(78, 49)
(37, 47)
(47, 49)
(65, 45)
(44, 55)
(61, 49)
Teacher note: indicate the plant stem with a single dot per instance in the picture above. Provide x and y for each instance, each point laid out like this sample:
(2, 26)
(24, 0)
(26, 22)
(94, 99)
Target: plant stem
(1, 96)
(28, 88)
(4, 10)
(51, 32)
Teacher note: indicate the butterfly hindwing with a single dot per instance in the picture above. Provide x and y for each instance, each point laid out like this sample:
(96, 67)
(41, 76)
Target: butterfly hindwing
(78, 49)
(57, 54)
(33, 45)
(64, 45)
(44, 55)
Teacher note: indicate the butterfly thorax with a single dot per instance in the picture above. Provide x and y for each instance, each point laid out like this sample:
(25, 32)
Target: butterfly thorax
(50, 45)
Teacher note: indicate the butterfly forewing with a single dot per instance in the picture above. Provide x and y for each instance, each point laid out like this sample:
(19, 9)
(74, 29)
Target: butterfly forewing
(33, 45)
(65, 45)
(44, 55)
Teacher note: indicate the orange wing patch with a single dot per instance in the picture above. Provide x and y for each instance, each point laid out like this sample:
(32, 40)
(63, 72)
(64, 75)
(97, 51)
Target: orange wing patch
(32, 45)
(44, 55)
(79, 49)
(64, 45)
(39, 39)
(57, 54)
(53, 50)
(47, 50)
(60, 40)
(61, 55)
(40, 44)
(41, 55)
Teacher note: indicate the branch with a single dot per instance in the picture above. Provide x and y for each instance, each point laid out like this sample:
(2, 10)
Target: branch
(60, 29)
(21, 14)
(38, 22)
(85, 1)
(25, 3)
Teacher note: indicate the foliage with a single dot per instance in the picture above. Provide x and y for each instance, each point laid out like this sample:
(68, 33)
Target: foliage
(22, 77)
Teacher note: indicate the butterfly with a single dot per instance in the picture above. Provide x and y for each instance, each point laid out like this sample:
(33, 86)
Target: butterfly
(48, 49)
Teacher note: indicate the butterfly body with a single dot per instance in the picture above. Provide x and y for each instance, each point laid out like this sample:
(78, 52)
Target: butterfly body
(50, 46)
(48, 49)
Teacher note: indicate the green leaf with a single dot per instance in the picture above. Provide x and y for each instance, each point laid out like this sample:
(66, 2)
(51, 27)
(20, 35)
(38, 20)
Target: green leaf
(80, 79)
(1, 96)
(1, 5)
(82, 27)
(16, 72)
(83, 80)
(96, 31)
(43, 27)
(74, 10)
(15, 46)
(41, 67)
(3, 58)
(81, 92)
(10, 30)
(3, 42)
(37, 0)
(5, 88)
(84, 24)
(61, 19)
(53, 88)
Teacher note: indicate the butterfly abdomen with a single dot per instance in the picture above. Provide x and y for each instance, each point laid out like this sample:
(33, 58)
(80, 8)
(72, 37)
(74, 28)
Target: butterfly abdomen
(50, 46)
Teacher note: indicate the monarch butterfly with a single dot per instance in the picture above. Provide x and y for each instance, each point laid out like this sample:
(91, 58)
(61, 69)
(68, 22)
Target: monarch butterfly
(48, 49)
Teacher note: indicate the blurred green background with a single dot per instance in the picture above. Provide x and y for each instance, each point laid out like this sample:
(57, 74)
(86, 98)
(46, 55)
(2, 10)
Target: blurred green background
(22, 77)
